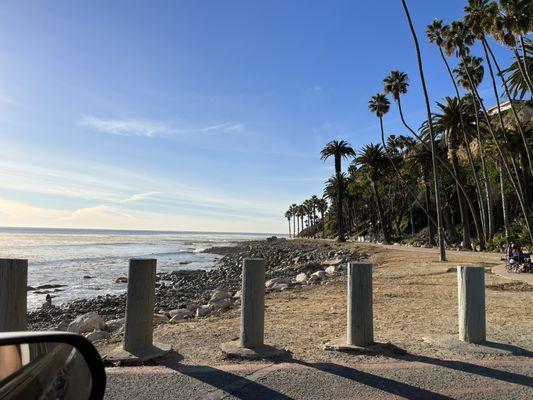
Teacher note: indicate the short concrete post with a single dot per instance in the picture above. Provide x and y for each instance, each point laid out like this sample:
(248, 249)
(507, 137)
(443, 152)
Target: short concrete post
(13, 295)
(138, 333)
(360, 330)
(471, 296)
(251, 343)
(253, 303)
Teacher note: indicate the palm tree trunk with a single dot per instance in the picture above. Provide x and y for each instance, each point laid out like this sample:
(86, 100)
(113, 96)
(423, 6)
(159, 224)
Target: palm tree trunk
(323, 225)
(381, 214)
(481, 203)
(462, 207)
(298, 220)
(340, 221)
(490, 211)
(504, 203)
(402, 180)
(427, 195)
(517, 186)
(294, 226)
(288, 219)
(442, 248)
(524, 60)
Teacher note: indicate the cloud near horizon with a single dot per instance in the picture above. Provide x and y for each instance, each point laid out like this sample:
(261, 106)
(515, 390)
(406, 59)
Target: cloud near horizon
(152, 129)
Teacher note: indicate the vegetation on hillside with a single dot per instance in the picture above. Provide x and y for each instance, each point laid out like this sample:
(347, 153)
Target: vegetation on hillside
(465, 176)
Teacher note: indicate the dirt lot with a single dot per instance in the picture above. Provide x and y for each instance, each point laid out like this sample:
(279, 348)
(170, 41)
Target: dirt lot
(415, 296)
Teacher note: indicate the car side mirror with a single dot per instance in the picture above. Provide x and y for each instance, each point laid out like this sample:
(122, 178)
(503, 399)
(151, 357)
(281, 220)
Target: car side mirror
(49, 365)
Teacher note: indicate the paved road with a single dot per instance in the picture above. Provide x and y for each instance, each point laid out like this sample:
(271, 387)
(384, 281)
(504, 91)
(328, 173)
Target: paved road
(422, 378)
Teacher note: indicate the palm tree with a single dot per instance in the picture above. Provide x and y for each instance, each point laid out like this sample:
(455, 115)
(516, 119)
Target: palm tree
(516, 82)
(515, 20)
(436, 33)
(338, 149)
(460, 40)
(479, 18)
(322, 207)
(420, 158)
(294, 210)
(442, 249)
(288, 215)
(372, 159)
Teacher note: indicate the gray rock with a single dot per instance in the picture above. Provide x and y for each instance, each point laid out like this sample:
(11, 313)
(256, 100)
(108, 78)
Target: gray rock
(121, 279)
(202, 311)
(335, 262)
(160, 319)
(332, 269)
(276, 281)
(301, 278)
(97, 336)
(179, 314)
(115, 325)
(88, 322)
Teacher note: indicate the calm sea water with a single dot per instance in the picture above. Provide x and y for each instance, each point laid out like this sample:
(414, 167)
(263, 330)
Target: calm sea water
(68, 256)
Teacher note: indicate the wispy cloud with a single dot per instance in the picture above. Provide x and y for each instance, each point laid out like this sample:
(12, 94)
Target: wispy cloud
(152, 129)
(140, 196)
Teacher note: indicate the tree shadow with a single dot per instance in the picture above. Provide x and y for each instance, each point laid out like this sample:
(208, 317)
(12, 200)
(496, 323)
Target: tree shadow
(236, 385)
(390, 386)
(463, 366)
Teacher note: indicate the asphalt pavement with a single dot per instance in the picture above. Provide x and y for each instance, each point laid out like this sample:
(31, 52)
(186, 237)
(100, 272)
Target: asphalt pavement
(412, 378)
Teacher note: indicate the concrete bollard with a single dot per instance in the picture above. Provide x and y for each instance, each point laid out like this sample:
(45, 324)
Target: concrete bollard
(253, 303)
(251, 343)
(138, 332)
(360, 330)
(471, 298)
(13, 295)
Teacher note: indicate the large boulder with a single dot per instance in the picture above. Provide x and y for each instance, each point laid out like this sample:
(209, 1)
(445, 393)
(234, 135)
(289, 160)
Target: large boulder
(89, 322)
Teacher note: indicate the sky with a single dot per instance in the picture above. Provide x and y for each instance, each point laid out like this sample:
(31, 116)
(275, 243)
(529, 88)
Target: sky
(195, 115)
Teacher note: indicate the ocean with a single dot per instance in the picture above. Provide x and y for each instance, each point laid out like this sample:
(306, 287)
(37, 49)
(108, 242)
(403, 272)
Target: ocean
(88, 262)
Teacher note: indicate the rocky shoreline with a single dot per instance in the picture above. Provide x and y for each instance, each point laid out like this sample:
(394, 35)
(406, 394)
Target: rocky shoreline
(188, 293)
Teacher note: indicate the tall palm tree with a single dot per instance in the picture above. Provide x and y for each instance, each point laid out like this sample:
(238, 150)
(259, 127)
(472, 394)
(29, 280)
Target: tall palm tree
(372, 159)
(442, 248)
(338, 149)
(288, 215)
(436, 33)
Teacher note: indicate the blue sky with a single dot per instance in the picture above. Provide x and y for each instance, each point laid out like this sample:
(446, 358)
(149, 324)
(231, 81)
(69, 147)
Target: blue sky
(193, 115)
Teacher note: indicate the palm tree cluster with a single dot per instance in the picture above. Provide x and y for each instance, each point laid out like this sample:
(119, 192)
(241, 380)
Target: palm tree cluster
(307, 218)
(465, 176)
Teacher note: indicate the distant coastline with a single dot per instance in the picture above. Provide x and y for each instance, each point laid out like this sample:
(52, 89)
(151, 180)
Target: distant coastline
(81, 231)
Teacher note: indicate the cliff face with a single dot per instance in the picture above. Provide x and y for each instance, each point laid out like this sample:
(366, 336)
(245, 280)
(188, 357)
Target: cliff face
(525, 114)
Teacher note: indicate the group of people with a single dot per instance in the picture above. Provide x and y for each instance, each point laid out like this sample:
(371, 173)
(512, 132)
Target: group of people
(517, 260)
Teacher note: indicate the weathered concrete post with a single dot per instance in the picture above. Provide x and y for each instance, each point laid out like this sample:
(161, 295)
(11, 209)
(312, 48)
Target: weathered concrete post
(253, 303)
(13, 294)
(251, 343)
(471, 296)
(138, 331)
(360, 330)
